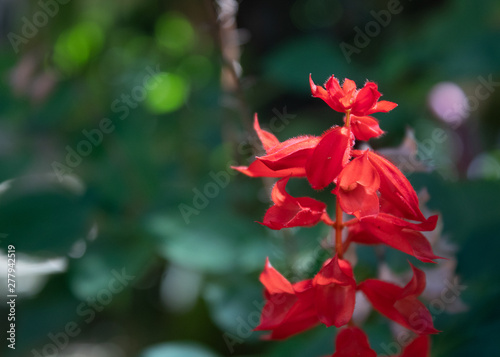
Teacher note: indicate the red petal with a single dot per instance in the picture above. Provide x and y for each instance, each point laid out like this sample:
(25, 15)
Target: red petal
(335, 292)
(419, 347)
(395, 188)
(366, 98)
(351, 342)
(357, 188)
(292, 153)
(359, 171)
(349, 89)
(280, 295)
(332, 95)
(259, 169)
(318, 91)
(400, 304)
(365, 128)
(428, 225)
(289, 211)
(349, 86)
(415, 316)
(274, 282)
(383, 106)
(416, 285)
(381, 229)
(267, 139)
(333, 88)
(282, 159)
(329, 157)
(301, 316)
(359, 202)
(299, 322)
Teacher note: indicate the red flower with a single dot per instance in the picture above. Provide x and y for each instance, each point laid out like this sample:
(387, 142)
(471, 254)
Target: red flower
(365, 128)
(289, 211)
(362, 177)
(329, 157)
(396, 233)
(401, 304)
(335, 292)
(395, 188)
(342, 99)
(351, 342)
(289, 308)
(282, 159)
(419, 347)
(328, 298)
(357, 187)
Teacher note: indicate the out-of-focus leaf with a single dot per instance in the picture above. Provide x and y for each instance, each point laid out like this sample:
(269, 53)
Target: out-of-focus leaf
(235, 308)
(110, 261)
(40, 215)
(178, 349)
(213, 243)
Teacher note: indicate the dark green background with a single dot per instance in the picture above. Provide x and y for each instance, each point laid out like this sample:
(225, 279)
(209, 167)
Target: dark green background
(196, 280)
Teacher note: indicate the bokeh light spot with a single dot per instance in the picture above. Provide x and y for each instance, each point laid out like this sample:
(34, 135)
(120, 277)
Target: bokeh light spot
(168, 95)
(77, 45)
(449, 103)
(484, 166)
(175, 33)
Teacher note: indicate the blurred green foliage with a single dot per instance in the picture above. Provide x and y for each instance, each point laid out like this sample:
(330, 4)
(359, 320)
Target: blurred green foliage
(116, 138)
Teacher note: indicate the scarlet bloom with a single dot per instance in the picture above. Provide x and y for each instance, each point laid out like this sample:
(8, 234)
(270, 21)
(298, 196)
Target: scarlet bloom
(335, 292)
(288, 309)
(396, 233)
(370, 172)
(357, 187)
(419, 347)
(352, 341)
(401, 304)
(396, 189)
(365, 128)
(282, 159)
(328, 298)
(289, 211)
(329, 157)
(347, 98)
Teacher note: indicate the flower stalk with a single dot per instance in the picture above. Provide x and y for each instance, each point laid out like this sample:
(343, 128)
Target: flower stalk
(385, 210)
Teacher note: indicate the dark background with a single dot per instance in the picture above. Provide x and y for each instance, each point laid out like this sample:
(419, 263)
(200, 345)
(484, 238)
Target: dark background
(103, 176)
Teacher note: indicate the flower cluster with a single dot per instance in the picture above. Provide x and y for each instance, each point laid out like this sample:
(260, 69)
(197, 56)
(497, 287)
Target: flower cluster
(384, 209)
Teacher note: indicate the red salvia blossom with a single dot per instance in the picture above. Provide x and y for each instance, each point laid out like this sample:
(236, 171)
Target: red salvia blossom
(419, 347)
(395, 188)
(289, 211)
(386, 211)
(365, 128)
(335, 291)
(290, 309)
(357, 188)
(329, 157)
(352, 342)
(401, 304)
(396, 233)
(282, 159)
(347, 98)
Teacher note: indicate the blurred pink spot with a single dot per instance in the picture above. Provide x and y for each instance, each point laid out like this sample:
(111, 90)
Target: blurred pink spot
(449, 103)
